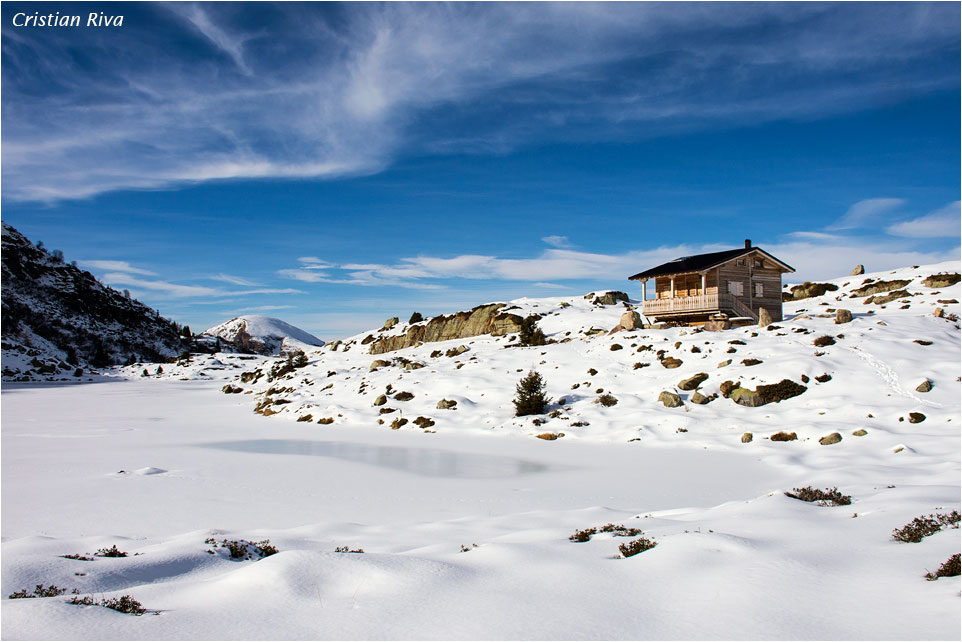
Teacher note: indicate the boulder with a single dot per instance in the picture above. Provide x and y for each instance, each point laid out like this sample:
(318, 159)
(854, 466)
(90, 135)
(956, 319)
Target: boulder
(764, 318)
(747, 437)
(843, 316)
(828, 440)
(424, 422)
(669, 399)
(916, 417)
(378, 363)
(717, 323)
(397, 423)
(725, 363)
(403, 396)
(455, 352)
(783, 436)
(671, 362)
(381, 400)
(390, 323)
(630, 320)
(861, 432)
(691, 383)
(939, 312)
(925, 386)
(447, 404)
(859, 269)
(701, 399)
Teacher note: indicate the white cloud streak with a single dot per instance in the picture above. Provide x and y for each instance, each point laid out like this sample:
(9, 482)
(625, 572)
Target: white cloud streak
(116, 266)
(943, 222)
(346, 95)
(866, 212)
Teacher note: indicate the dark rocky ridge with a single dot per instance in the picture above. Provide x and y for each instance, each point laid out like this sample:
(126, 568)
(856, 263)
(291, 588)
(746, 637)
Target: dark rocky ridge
(91, 323)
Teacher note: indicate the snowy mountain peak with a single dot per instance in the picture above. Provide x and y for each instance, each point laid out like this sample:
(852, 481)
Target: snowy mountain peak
(264, 335)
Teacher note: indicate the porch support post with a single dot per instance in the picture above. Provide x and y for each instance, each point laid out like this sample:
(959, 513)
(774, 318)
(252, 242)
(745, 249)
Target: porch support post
(672, 287)
(644, 290)
(703, 284)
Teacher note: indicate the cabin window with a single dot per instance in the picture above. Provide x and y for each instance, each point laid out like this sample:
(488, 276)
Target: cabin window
(759, 290)
(736, 287)
(758, 263)
(740, 262)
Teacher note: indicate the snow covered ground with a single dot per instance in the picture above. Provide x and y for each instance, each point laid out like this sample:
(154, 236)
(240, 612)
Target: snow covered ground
(465, 523)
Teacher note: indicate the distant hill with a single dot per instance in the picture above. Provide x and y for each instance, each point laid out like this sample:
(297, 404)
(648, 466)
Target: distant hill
(263, 335)
(57, 317)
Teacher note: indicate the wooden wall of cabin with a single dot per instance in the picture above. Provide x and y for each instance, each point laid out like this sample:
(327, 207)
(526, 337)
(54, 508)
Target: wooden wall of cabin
(749, 274)
(685, 285)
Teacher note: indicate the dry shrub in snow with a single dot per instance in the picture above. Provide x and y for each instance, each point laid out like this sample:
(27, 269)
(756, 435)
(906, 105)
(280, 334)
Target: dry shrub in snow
(922, 527)
(829, 496)
(634, 547)
(113, 551)
(949, 569)
(823, 341)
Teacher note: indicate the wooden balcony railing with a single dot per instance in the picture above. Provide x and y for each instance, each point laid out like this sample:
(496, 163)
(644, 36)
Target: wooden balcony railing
(712, 302)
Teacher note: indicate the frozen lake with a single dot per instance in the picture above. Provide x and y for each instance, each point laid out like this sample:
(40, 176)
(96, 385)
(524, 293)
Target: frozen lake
(229, 468)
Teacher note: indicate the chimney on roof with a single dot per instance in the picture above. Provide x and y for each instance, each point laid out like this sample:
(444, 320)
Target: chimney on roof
(748, 244)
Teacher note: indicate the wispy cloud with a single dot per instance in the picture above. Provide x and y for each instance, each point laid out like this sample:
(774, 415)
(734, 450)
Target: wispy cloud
(235, 280)
(199, 93)
(178, 290)
(943, 222)
(866, 212)
(116, 266)
(557, 241)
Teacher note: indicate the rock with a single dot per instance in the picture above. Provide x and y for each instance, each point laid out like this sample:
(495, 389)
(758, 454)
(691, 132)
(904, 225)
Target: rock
(609, 298)
(762, 395)
(939, 312)
(701, 399)
(859, 269)
(828, 440)
(447, 404)
(630, 320)
(916, 417)
(941, 280)
(877, 287)
(615, 347)
(326, 420)
(381, 400)
(550, 436)
(843, 316)
(669, 399)
(717, 323)
(397, 423)
(378, 363)
(671, 362)
(764, 317)
(747, 437)
(413, 365)
(455, 352)
(784, 436)
(403, 396)
(368, 339)
(691, 383)
(808, 289)
(925, 386)
(424, 422)
(726, 388)
(725, 363)
(887, 298)
(484, 319)
(390, 323)
(861, 432)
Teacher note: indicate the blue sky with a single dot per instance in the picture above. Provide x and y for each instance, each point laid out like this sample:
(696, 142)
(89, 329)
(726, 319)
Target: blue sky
(337, 164)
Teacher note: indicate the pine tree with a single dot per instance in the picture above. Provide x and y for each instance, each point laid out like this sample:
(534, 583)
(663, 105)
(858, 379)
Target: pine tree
(530, 334)
(530, 396)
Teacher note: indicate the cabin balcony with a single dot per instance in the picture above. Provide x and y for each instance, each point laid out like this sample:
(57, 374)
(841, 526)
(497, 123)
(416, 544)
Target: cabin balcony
(705, 304)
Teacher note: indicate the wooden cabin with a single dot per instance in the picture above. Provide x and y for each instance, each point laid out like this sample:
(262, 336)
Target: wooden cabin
(736, 283)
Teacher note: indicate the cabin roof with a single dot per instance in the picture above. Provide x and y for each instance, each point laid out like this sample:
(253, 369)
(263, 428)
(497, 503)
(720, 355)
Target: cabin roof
(700, 262)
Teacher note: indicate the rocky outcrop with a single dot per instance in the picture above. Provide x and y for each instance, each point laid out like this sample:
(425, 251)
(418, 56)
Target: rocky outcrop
(859, 269)
(608, 298)
(484, 319)
(808, 289)
(877, 287)
(762, 395)
(941, 280)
